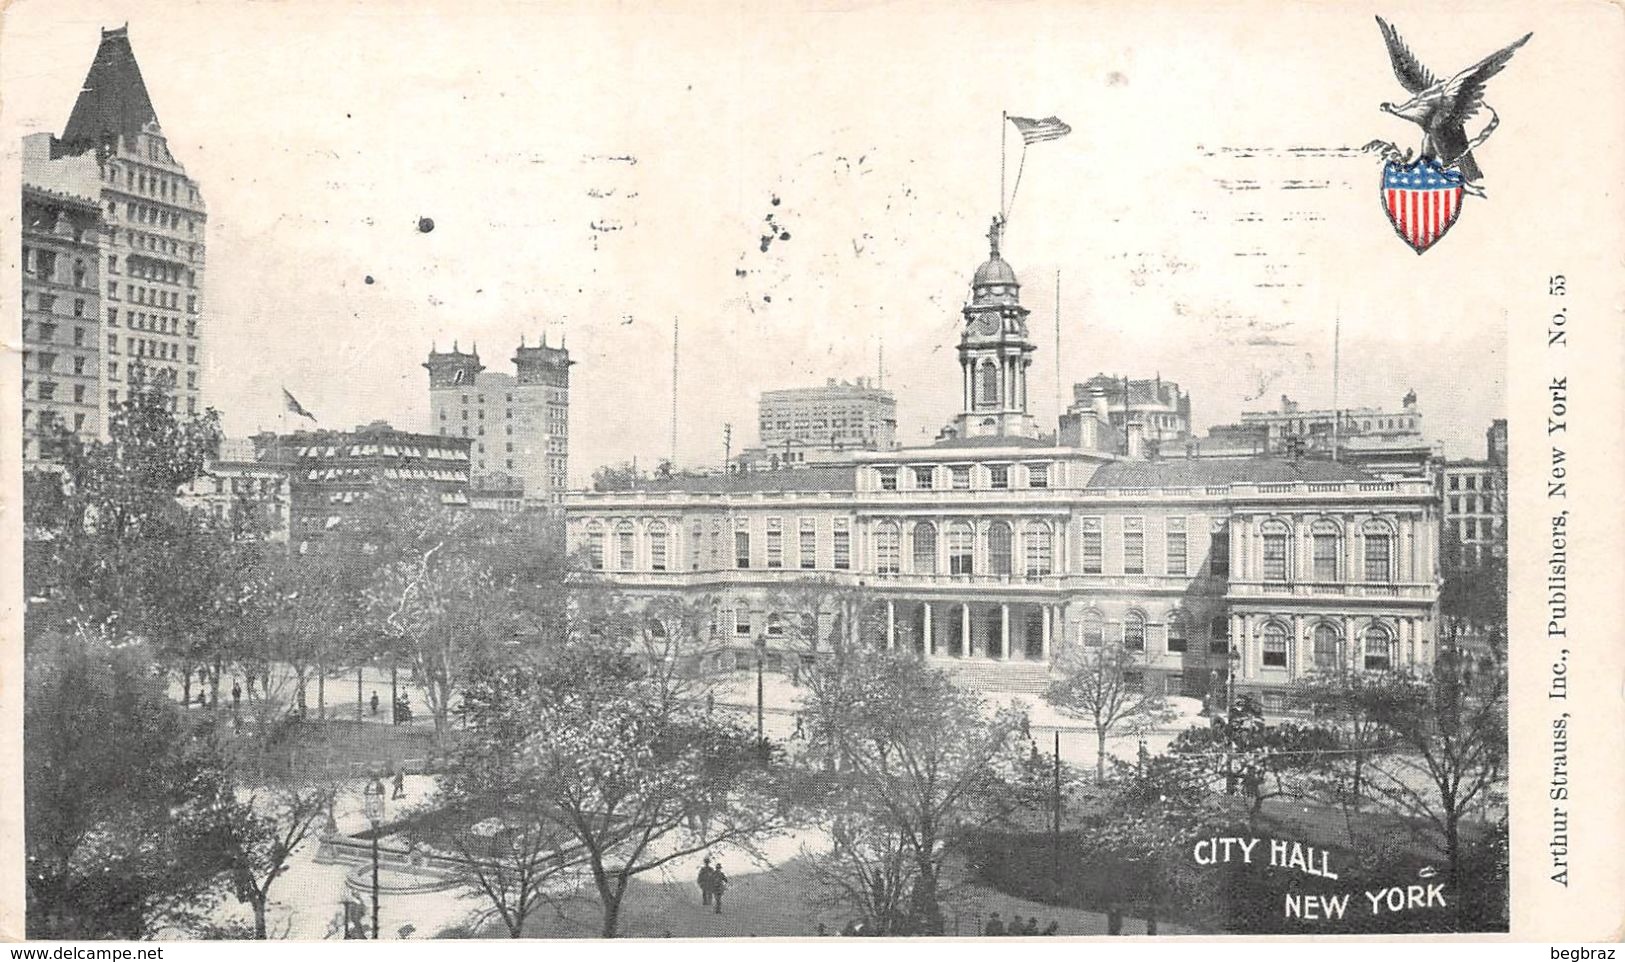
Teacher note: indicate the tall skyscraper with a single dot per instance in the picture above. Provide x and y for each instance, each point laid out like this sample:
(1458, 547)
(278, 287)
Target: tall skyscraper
(519, 423)
(113, 257)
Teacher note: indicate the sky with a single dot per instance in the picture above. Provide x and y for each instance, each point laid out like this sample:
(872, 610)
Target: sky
(599, 175)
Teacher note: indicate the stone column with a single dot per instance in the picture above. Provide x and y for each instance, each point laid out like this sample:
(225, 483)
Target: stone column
(891, 626)
(1049, 615)
(1004, 632)
(964, 629)
(1298, 661)
(1351, 644)
(1249, 657)
(930, 641)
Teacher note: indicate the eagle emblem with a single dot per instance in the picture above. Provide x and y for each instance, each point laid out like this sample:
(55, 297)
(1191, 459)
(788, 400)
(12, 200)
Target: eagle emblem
(1423, 190)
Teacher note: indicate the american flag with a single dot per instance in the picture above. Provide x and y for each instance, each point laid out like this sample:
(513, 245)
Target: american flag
(1423, 200)
(1034, 131)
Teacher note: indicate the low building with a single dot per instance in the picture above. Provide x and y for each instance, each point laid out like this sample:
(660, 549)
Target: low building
(236, 485)
(332, 474)
(821, 425)
(1385, 443)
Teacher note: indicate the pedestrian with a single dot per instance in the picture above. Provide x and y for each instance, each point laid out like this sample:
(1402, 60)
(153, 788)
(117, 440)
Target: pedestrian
(799, 734)
(995, 925)
(400, 786)
(236, 695)
(719, 883)
(374, 703)
(706, 882)
(202, 700)
(251, 686)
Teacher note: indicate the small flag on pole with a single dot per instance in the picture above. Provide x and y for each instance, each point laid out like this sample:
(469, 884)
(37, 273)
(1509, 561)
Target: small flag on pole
(293, 405)
(1036, 131)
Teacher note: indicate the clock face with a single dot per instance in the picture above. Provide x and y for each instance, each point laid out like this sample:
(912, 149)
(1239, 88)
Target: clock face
(987, 324)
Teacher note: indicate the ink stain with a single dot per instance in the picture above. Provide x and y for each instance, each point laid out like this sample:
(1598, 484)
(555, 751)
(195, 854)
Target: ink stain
(425, 225)
(368, 279)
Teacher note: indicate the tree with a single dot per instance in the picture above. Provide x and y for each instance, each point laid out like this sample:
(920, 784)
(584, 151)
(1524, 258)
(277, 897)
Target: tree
(1452, 726)
(1354, 704)
(616, 477)
(1266, 760)
(260, 827)
(1104, 685)
(118, 793)
(614, 752)
(918, 761)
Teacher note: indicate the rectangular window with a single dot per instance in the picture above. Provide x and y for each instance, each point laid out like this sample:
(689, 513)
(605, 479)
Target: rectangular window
(843, 547)
(1274, 557)
(1175, 538)
(998, 476)
(922, 479)
(775, 543)
(1134, 546)
(1037, 475)
(1218, 552)
(595, 550)
(741, 549)
(1377, 557)
(1093, 547)
(742, 623)
(961, 477)
(888, 479)
(809, 544)
(1325, 550)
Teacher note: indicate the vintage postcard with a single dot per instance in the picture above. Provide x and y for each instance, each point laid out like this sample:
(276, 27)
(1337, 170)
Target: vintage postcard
(1050, 469)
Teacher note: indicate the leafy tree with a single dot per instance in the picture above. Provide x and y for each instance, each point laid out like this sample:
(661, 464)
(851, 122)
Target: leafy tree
(1266, 760)
(118, 794)
(616, 477)
(1354, 704)
(918, 759)
(1452, 725)
(1104, 685)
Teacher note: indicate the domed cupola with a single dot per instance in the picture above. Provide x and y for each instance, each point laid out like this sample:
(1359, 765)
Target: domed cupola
(994, 352)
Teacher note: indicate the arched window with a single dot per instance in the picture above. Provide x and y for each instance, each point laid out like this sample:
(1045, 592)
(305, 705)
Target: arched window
(988, 384)
(961, 548)
(1379, 552)
(1038, 545)
(1277, 537)
(1093, 629)
(625, 547)
(888, 548)
(1177, 635)
(1275, 645)
(1326, 545)
(1134, 631)
(1328, 645)
(925, 548)
(1379, 647)
(998, 548)
(658, 545)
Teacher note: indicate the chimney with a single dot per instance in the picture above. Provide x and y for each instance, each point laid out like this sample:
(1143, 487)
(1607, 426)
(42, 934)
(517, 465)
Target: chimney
(1136, 440)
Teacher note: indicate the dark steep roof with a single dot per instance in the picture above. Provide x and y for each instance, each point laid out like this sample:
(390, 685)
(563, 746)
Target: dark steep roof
(113, 104)
(1201, 472)
(820, 478)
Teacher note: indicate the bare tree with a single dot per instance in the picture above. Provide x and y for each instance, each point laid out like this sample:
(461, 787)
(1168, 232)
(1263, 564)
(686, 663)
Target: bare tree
(1104, 685)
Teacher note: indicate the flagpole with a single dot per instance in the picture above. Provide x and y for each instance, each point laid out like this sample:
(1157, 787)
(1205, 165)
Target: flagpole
(1337, 343)
(1059, 410)
(1004, 122)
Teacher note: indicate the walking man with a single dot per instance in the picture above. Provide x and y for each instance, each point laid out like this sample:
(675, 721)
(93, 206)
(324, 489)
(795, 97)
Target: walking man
(400, 786)
(706, 881)
(719, 882)
(375, 704)
(236, 696)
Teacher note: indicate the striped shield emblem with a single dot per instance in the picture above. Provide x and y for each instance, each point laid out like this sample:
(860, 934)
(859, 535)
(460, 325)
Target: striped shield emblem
(1422, 200)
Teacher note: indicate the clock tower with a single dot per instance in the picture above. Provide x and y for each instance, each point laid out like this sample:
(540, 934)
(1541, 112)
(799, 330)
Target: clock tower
(994, 352)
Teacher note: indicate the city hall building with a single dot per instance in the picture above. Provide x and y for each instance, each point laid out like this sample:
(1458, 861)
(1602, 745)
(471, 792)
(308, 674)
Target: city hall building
(996, 548)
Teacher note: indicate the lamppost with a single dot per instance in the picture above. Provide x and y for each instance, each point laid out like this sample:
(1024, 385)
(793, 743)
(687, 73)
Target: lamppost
(1234, 662)
(373, 804)
(1230, 682)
